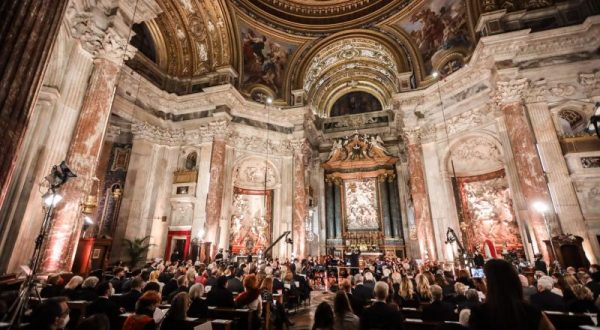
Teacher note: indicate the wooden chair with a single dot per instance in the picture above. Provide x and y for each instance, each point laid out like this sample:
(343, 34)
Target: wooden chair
(568, 321)
(242, 318)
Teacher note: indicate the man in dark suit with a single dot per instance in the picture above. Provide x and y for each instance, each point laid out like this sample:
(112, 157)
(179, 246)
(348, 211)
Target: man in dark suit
(234, 284)
(182, 286)
(438, 310)
(381, 315)
(129, 299)
(117, 281)
(545, 300)
(357, 308)
(103, 305)
(219, 296)
(360, 292)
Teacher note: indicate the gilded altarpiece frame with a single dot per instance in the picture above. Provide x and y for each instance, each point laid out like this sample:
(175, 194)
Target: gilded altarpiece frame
(488, 213)
(251, 223)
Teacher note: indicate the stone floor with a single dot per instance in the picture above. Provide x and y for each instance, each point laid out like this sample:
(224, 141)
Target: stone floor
(303, 317)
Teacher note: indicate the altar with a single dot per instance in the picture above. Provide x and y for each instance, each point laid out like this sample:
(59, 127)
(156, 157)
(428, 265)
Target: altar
(362, 198)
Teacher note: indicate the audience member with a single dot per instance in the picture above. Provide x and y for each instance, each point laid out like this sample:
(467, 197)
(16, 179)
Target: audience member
(323, 319)
(129, 299)
(52, 287)
(583, 301)
(143, 318)
(52, 314)
(71, 288)
(198, 307)
(438, 310)
(380, 315)
(182, 286)
(219, 296)
(234, 284)
(545, 299)
(344, 317)
(87, 291)
(176, 316)
(103, 304)
(505, 307)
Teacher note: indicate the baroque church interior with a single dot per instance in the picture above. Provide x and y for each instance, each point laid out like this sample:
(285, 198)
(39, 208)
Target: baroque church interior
(423, 129)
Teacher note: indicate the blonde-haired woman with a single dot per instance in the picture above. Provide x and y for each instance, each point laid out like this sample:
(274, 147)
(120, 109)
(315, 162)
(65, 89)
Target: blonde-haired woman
(71, 287)
(154, 278)
(408, 296)
(423, 290)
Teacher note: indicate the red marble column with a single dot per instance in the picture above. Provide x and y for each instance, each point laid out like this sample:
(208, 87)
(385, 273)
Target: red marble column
(214, 199)
(299, 214)
(418, 190)
(528, 165)
(28, 30)
(82, 158)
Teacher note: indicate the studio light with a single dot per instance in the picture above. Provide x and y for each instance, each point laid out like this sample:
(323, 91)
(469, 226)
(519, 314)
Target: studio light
(59, 175)
(51, 198)
(540, 206)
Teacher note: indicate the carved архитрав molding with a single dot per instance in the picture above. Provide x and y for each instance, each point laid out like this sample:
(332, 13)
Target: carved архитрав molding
(155, 134)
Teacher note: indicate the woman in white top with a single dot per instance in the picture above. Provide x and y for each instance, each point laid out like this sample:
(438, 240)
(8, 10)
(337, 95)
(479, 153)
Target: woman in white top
(344, 318)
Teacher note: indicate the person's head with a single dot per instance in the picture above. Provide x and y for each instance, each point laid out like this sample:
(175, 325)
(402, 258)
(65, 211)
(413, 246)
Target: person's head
(460, 288)
(323, 316)
(154, 276)
(396, 277)
(464, 316)
(119, 272)
(196, 291)
(267, 284)
(581, 292)
(104, 289)
(53, 279)
(179, 306)
(341, 304)
(585, 278)
(250, 282)
(152, 286)
(51, 314)
(95, 322)
(74, 282)
(90, 282)
(137, 283)
(369, 277)
(571, 270)
(221, 281)
(181, 281)
(545, 283)
(436, 292)
(571, 280)
(381, 291)
(472, 295)
(406, 288)
(358, 279)
(463, 273)
(148, 302)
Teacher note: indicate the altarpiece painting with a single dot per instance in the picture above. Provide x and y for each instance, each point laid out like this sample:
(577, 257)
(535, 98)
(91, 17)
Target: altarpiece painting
(361, 204)
(488, 212)
(250, 228)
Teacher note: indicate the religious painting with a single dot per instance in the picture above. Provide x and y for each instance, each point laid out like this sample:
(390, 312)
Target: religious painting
(250, 228)
(354, 103)
(265, 60)
(120, 159)
(361, 201)
(488, 212)
(437, 28)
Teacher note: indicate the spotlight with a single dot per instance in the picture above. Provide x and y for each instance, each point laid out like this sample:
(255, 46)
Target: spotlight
(435, 74)
(269, 100)
(59, 175)
(540, 206)
(51, 198)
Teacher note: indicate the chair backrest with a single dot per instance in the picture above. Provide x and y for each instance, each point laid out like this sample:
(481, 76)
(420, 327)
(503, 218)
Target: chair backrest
(568, 321)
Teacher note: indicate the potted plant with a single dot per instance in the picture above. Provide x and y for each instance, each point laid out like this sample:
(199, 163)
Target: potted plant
(137, 248)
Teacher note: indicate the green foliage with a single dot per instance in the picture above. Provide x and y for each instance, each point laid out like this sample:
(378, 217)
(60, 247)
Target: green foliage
(137, 249)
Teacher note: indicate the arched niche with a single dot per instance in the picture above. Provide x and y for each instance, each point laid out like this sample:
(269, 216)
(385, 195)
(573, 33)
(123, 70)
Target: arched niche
(474, 154)
(355, 103)
(249, 173)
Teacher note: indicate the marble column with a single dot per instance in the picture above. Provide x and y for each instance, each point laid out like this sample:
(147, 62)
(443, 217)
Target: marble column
(330, 215)
(418, 190)
(214, 199)
(529, 168)
(27, 33)
(385, 206)
(559, 181)
(82, 158)
(337, 210)
(300, 207)
(396, 219)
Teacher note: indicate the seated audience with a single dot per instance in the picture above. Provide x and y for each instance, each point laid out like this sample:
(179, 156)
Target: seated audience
(438, 310)
(361, 293)
(583, 301)
(219, 296)
(528, 290)
(323, 319)
(380, 315)
(176, 316)
(52, 287)
(87, 291)
(250, 298)
(198, 307)
(344, 317)
(545, 300)
(423, 290)
(408, 296)
(118, 279)
(52, 314)
(472, 300)
(103, 304)
(129, 299)
(590, 284)
(94, 322)
(182, 286)
(505, 307)
(143, 318)
(234, 284)
(71, 288)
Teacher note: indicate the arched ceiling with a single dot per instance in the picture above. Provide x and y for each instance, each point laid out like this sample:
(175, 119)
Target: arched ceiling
(325, 48)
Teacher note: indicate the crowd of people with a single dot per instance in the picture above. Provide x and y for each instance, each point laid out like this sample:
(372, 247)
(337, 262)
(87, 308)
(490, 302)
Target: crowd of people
(376, 295)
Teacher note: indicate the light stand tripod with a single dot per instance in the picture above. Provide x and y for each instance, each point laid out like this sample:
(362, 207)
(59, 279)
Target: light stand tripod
(58, 176)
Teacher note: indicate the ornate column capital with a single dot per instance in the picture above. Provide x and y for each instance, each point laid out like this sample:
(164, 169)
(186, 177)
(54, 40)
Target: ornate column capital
(412, 135)
(590, 82)
(299, 145)
(511, 91)
(215, 130)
